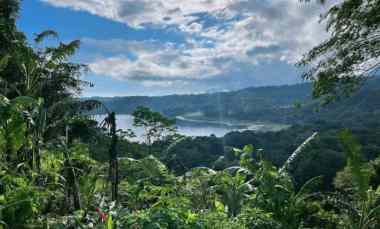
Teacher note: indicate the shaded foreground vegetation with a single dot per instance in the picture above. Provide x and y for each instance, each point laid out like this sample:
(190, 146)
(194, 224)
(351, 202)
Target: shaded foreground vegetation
(60, 169)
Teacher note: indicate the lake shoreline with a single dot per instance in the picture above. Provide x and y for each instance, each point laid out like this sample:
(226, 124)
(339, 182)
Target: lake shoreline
(193, 127)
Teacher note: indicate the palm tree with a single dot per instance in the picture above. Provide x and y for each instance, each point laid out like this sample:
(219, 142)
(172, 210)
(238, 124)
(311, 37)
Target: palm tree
(109, 123)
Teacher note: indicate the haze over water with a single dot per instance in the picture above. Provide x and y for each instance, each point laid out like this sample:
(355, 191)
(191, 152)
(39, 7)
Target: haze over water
(191, 127)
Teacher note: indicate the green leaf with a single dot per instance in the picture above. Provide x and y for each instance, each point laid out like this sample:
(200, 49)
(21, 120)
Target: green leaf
(47, 33)
(4, 62)
(360, 171)
(248, 149)
(109, 222)
(219, 206)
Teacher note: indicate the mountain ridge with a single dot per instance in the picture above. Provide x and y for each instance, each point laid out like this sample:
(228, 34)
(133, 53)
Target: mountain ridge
(288, 104)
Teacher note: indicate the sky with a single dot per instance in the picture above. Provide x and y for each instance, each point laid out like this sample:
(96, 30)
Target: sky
(159, 47)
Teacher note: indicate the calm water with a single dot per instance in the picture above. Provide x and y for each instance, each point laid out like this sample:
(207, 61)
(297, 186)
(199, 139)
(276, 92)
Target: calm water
(192, 127)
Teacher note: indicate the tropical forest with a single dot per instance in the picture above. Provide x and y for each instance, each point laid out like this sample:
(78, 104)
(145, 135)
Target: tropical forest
(196, 114)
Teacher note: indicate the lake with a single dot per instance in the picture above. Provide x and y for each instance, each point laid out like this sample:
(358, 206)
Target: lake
(194, 127)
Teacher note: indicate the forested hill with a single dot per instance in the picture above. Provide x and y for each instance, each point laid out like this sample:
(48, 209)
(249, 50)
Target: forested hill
(271, 104)
(241, 104)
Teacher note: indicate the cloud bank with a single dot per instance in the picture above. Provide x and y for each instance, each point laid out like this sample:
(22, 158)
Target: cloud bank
(221, 36)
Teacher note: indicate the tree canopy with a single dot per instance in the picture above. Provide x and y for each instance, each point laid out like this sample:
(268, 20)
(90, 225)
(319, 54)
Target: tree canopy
(350, 55)
(154, 123)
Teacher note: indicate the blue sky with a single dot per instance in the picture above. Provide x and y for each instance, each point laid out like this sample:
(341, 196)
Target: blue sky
(157, 47)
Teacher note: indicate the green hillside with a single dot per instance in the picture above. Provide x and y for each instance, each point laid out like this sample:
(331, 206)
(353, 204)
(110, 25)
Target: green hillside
(282, 104)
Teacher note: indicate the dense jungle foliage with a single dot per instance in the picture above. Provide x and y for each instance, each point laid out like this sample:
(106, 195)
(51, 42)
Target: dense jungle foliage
(61, 169)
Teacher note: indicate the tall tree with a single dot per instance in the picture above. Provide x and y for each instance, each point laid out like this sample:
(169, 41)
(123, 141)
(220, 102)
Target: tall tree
(9, 35)
(44, 73)
(352, 52)
(155, 125)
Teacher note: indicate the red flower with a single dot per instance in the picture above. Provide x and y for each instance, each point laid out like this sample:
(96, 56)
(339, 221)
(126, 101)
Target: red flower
(103, 216)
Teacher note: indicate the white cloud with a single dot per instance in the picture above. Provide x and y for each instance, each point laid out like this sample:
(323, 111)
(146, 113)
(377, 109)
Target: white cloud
(152, 61)
(136, 13)
(221, 35)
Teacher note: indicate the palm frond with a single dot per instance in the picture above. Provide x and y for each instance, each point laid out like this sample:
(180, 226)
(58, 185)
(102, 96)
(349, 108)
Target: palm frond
(47, 33)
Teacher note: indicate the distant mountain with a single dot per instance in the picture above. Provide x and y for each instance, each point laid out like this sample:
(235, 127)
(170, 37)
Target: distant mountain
(262, 104)
(246, 104)
(364, 104)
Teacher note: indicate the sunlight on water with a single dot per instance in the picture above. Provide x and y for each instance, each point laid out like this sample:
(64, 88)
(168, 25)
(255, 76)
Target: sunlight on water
(191, 127)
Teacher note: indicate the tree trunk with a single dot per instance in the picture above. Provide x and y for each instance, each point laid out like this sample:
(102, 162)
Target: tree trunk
(114, 167)
(71, 178)
(72, 184)
(37, 155)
